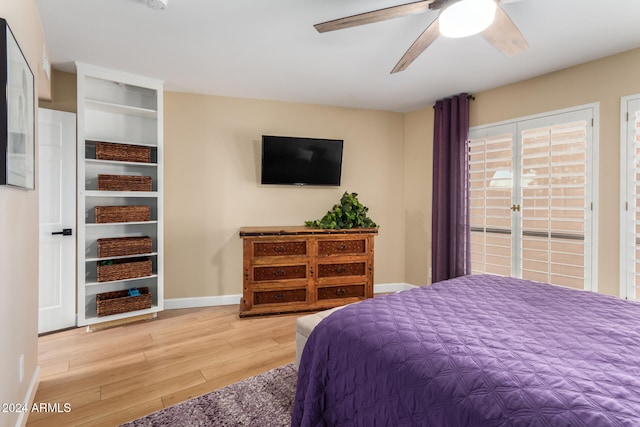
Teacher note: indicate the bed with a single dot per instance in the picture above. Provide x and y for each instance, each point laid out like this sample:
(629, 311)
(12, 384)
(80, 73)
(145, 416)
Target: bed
(474, 351)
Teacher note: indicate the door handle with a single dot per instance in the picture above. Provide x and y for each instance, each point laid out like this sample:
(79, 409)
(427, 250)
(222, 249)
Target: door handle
(64, 232)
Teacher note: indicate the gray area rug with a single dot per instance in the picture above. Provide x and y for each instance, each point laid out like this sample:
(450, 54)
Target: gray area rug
(265, 400)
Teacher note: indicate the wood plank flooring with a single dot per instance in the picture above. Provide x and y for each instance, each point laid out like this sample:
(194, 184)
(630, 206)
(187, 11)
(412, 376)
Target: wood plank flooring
(115, 375)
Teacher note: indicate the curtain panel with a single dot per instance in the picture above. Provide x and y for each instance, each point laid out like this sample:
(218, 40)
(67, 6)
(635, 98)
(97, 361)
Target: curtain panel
(450, 231)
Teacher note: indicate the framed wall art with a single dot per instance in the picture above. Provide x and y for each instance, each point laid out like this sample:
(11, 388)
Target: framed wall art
(17, 114)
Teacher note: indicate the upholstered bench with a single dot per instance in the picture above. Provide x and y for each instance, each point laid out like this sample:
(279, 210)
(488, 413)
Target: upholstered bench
(304, 326)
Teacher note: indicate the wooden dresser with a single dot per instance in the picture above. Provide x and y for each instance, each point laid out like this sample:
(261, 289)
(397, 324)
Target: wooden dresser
(289, 269)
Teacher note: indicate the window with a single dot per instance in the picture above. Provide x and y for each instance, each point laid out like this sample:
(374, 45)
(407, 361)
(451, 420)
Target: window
(532, 189)
(630, 197)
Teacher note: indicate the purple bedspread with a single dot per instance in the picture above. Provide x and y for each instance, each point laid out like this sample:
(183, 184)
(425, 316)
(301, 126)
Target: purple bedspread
(474, 351)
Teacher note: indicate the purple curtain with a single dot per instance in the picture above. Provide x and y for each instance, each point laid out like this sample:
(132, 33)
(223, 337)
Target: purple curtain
(450, 230)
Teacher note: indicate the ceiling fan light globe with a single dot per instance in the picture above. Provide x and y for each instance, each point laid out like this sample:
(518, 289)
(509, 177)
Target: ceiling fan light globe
(156, 4)
(466, 18)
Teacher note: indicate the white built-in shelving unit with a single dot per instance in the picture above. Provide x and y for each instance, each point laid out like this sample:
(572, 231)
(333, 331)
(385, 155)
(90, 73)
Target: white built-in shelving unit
(120, 108)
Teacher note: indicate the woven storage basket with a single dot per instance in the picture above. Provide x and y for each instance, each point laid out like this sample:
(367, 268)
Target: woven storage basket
(120, 269)
(105, 214)
(121, 246)
(108, 303)
(123, 152)
(124, 183)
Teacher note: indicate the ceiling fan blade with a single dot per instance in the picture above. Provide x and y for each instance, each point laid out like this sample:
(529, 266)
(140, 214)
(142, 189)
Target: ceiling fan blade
(504, 35)
(374, 16)
(423, 41)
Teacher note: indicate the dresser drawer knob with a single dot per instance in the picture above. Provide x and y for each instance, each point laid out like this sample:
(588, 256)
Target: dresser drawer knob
(278, 296)
(341, 291)
(342, 269)
(279, 273)
(341, 247)
(279, 249)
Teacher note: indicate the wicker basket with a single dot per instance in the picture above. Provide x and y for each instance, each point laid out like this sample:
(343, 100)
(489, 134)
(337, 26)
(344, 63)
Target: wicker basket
(121, 246)
(120, 269)
(124, 183)
(123, 152)
(106, 214)
(108, 303)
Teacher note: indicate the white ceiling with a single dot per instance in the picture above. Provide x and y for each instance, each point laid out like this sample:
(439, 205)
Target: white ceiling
(268, 49)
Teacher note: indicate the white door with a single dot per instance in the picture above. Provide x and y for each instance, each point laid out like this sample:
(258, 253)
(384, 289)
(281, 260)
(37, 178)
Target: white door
(57, 196)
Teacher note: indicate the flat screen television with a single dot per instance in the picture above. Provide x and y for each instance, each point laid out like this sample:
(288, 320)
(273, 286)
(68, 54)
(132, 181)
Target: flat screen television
(301, 161)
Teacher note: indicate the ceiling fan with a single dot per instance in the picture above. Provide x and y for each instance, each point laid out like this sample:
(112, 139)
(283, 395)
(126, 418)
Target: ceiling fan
(502, 33)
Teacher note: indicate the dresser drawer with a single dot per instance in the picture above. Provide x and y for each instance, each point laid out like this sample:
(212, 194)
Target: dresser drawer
(342, 247)
(342, 269)
(281, 272)
(280, 296)
(283, 248)
(343, 291)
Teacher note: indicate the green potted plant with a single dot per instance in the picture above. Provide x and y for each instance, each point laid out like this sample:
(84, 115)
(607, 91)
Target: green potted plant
(350, 213)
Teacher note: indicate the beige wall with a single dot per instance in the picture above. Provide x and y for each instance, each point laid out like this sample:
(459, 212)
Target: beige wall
(64, 91)
(604, 81)
(418, 160)
(212, 164)
(19, 241)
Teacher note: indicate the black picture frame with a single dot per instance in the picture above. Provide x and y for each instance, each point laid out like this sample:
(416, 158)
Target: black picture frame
(17, 114)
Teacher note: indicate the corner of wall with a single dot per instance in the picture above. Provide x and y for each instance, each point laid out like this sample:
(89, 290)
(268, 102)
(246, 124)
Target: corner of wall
(418, 160)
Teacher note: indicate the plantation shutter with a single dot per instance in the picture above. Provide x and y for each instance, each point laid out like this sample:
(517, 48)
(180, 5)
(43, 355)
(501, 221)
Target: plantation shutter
(630, 218)
(531, 189)
(491, 193)
(554, 204)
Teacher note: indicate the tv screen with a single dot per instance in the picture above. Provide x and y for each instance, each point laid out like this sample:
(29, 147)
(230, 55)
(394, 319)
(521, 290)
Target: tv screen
(301, 161)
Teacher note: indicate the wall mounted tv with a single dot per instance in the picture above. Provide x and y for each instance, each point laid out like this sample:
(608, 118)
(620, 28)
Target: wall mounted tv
(301, 161)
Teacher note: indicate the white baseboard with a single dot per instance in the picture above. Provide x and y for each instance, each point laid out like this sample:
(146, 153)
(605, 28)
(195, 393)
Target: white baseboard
(392, 287)
(29, 398)
(175, 303)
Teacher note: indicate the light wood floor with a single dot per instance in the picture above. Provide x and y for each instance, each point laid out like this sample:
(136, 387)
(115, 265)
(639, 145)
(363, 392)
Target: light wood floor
(116, 375)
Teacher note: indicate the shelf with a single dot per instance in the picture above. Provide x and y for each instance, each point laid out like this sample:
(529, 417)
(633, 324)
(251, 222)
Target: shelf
(109, 107)
(94, 259)
(109, 224)
(102, 193)
(94, 282)
(117, 162)
(92, 317)
(118, 108)
(113, 141)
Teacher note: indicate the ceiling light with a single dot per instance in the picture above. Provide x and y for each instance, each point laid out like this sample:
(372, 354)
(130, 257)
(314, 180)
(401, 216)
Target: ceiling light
(157, 4)
(466, 18)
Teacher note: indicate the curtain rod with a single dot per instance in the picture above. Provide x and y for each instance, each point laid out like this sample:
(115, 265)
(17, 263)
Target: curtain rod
(469, 97)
